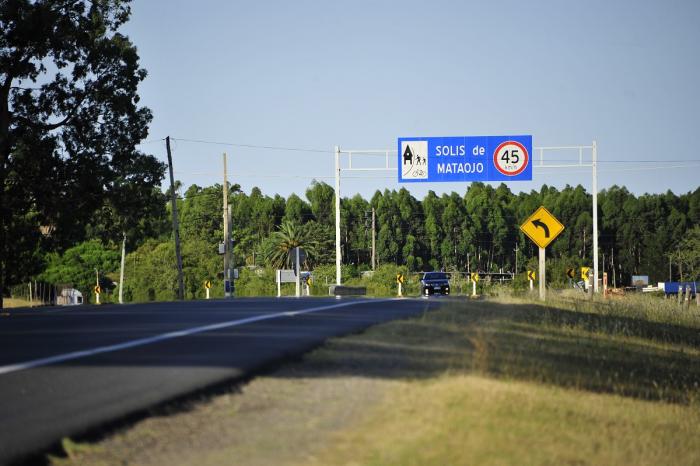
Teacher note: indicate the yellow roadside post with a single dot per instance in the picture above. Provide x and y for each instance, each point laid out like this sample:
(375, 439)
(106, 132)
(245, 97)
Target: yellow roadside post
(531, 276)
(474, 276)
(400, 279)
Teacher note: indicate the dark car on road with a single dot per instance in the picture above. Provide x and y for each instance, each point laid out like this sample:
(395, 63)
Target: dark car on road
(435, 283)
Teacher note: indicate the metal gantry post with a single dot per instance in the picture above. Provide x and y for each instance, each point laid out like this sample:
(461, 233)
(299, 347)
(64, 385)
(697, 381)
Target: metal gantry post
(337, 216)
(594, 157)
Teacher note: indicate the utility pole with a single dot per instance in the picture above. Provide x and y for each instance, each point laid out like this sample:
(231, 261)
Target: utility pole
(374, 239)
(121, 271)
(227, 245)
(176, 224)
(338, 258)
(231, 265)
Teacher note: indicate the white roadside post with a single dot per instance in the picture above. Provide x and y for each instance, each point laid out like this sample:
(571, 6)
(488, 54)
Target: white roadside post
(542, 282)
(297, 272)
(473, 285)
(279, 283)
(207, 293)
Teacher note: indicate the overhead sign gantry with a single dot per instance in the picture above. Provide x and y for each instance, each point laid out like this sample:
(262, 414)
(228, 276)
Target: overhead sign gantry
(495, 154)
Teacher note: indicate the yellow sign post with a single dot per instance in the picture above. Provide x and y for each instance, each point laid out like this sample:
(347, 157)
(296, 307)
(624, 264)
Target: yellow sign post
(207, 286)
(400, 279)
(542, 228)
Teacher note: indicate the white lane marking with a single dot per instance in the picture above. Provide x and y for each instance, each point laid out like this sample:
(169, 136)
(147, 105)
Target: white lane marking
(169, 336)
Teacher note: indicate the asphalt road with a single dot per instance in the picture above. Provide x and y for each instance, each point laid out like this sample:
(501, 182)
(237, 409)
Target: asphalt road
(64, 371)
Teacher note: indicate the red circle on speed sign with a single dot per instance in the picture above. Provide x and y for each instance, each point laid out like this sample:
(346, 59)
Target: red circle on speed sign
(510, 158)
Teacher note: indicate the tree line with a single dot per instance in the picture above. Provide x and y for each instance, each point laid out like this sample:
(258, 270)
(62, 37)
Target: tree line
(477, 230)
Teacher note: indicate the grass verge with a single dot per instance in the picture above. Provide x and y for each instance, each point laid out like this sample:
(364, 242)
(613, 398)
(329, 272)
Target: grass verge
(503, 381)
(514, 382)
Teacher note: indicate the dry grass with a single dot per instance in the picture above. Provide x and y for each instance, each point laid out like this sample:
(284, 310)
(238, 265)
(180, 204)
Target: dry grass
(467, 419)
(573, 382)
(15, 302)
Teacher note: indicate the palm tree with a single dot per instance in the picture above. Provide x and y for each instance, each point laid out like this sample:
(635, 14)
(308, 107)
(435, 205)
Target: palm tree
(289, 236)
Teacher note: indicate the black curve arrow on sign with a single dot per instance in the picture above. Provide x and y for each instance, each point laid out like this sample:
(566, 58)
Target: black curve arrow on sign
(539, 223)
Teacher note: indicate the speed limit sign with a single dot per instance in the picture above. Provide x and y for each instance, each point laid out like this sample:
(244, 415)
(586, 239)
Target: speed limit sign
(510, 158)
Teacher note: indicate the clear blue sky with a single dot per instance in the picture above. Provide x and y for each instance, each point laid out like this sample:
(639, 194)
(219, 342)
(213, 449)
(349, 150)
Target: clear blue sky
(315, 74)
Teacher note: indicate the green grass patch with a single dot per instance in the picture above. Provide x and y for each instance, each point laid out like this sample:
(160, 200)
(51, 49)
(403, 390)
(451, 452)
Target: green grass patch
(509, 381)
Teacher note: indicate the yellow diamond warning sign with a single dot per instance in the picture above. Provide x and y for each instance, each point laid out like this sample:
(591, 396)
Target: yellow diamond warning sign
(542, 227)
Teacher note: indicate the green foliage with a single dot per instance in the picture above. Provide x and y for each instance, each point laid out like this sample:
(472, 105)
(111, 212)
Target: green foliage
(151, 273)
(69, 126)
(688, 254)
(322, 199)
(256, 282)
(76, 266)
(383, 281)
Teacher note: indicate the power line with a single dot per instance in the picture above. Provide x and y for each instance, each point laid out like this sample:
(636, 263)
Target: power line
(253, 146)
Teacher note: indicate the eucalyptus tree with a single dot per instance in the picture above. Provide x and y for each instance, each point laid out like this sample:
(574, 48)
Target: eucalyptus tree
(322, 198)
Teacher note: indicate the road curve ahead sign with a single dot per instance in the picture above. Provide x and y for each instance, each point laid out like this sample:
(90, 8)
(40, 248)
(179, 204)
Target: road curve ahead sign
(542, 227)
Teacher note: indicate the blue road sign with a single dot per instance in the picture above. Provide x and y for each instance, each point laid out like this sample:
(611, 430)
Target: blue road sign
(465, 158)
